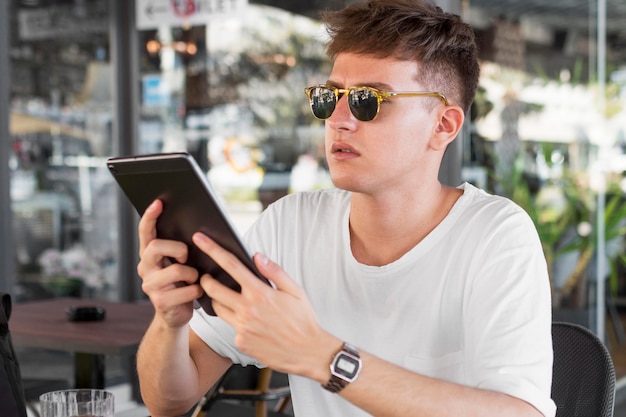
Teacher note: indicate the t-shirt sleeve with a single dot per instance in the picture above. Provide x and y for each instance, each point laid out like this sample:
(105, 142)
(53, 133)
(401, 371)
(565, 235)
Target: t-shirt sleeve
(508, 312)
(220, 336)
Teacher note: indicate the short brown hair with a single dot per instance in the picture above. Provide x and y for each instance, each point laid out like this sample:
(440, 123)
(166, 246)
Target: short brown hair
(442, 45)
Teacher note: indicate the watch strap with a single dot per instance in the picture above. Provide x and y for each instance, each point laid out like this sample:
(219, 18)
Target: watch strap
(337, 383)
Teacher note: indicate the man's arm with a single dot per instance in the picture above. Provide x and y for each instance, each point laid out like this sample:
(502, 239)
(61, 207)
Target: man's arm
(176, 368)
(384, 389)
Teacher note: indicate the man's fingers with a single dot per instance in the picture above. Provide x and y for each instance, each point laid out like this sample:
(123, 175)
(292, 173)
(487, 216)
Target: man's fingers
(276, 275)
(181, 294)
(147, 224)
(222, 297)
(162, 253)
(225, 259)
(169, 277)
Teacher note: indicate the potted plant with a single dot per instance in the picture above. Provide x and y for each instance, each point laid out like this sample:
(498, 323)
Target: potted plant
(70, 273)
(564, 212)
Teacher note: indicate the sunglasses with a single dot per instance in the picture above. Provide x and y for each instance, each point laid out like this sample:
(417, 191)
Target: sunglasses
(364, 102)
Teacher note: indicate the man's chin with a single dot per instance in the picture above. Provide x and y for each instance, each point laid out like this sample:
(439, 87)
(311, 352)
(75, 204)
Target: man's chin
(343, 183)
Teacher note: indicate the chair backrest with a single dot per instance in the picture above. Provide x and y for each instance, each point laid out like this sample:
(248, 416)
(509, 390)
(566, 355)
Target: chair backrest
(12, 402)
(235, 385)
(583, 377)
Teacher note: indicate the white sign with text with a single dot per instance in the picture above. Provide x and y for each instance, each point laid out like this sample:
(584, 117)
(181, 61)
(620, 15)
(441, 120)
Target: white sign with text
(152, 14)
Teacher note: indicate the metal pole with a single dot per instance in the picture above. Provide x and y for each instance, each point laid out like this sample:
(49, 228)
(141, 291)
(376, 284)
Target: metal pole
(600, 226)
(7, 253)
(125, 59)
(450, 170)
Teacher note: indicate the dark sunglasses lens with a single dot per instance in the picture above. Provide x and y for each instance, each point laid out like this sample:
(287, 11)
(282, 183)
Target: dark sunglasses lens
(323, 102)
(363, 104)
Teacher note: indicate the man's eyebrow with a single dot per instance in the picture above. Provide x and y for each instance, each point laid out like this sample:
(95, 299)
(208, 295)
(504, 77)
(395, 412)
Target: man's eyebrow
(379, 86)
(376, 85)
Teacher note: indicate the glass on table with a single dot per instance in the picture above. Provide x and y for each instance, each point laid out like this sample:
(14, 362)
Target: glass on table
(77, 403)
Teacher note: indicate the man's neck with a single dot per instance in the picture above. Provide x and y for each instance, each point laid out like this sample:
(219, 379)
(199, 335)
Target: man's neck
(382, 230)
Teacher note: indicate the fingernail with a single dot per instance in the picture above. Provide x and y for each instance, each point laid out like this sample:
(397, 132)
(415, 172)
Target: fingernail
(263, 259)
(200, 237)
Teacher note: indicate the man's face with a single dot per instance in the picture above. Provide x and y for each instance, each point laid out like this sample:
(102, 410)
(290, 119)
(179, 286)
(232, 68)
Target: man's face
(392, 150)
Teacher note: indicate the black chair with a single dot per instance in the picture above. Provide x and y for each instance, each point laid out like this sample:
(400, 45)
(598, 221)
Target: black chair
(247, 392)
(583, 378)
(26, 391)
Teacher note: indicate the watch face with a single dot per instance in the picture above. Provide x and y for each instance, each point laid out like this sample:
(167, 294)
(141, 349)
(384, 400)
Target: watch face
(347, 366)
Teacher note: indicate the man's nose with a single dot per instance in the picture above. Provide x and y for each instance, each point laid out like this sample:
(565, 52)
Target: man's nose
(342, 109)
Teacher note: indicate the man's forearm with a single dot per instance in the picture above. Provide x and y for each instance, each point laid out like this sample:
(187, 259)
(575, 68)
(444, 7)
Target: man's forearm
(168, 376)
(384, 389)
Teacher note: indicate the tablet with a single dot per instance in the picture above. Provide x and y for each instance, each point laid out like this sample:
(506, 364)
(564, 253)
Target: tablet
(189, 206)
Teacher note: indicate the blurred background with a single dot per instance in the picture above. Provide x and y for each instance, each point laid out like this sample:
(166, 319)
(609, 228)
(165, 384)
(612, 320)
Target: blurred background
(83, 80)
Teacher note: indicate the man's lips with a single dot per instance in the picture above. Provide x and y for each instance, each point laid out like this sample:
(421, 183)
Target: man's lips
(343, 149)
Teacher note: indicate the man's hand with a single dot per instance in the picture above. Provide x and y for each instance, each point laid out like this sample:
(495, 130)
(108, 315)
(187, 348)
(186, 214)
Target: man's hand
(171, 287)
(276, 325)
(175, 367)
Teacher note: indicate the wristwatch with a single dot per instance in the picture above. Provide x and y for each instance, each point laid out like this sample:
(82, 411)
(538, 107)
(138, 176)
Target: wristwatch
(344, 368)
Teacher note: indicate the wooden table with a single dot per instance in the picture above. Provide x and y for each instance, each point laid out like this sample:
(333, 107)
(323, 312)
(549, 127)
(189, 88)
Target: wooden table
(44, 324)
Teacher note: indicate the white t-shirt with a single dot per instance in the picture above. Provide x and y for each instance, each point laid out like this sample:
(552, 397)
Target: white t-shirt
(469, 304)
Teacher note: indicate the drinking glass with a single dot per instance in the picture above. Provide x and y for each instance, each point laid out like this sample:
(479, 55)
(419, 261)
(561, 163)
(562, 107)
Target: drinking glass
(77, 403)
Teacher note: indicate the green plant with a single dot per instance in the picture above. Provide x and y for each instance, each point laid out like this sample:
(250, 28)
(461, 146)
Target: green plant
(614, 229)
(552, 221)
(564, 213)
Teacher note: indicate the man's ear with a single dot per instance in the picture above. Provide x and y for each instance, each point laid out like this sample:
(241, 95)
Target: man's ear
(450, 123)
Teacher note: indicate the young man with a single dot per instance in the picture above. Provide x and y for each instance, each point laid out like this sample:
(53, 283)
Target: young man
(394, 295)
